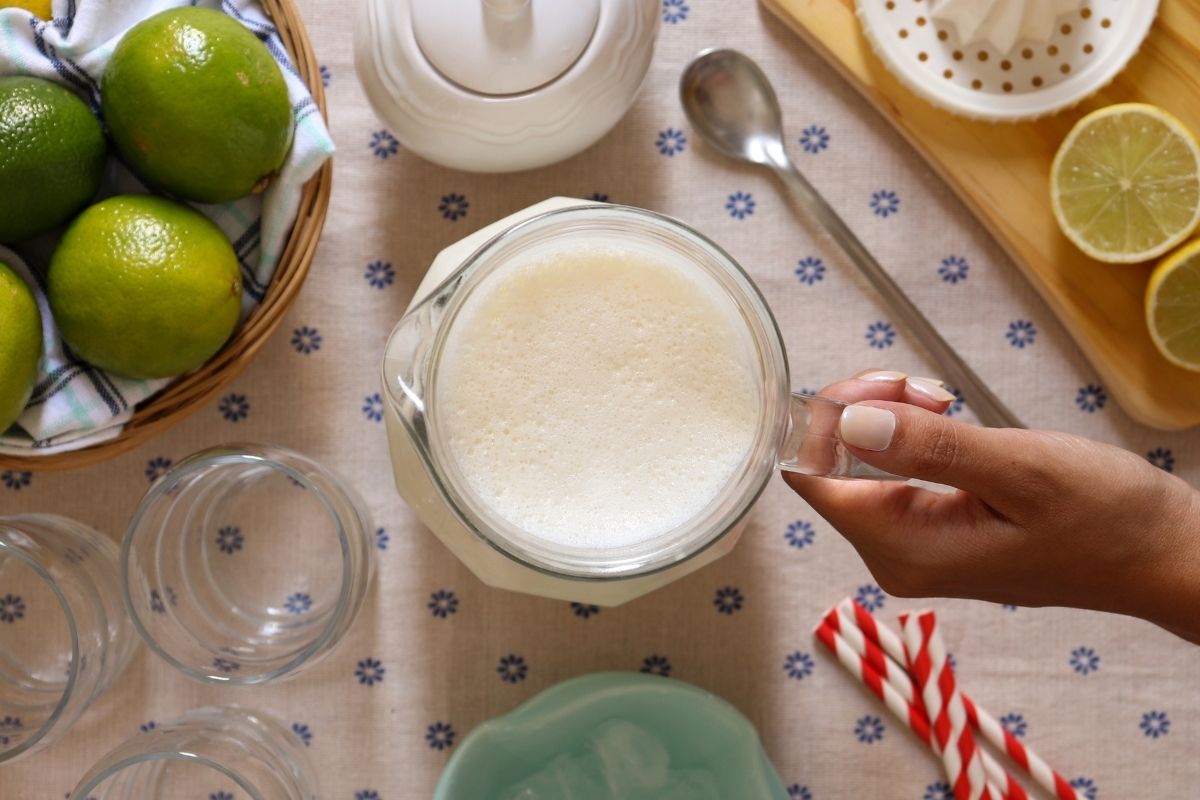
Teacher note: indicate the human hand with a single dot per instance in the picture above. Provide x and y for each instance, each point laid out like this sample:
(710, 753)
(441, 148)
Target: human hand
(1041, 518)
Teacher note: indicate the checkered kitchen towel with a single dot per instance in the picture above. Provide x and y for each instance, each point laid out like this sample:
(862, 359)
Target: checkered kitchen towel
(75, 405)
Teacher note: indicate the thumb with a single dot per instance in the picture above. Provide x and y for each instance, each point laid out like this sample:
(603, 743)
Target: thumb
(910, 441)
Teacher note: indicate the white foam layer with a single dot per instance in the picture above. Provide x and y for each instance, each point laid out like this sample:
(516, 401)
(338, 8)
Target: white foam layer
(598, 397)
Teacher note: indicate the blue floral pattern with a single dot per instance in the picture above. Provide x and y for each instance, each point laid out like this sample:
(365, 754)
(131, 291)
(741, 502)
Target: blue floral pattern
(800, 534)
(9, 727)
(1085, 788)
(157, 467)
(814, 139)
(512, 669)
(954, 269)
(326, 76)
(670, 142)
(1155, 724)
(870, 597)
(303, 732)
(298, 603)
(798, 792)
(306, 340)
(230, 539)
(234, 407)
(656, 665)
(728, 600)
(12, 608)
(600, 197)
(1084, 660)
(869, 729)
(453, 206)
(443, 603)
(440, 735)
(884, 203)
(880, 335)
(16, 479)
(957, 404)
(372, 407)
(939, 790)
(221, 795)
(367, 794)
(226, 666)
(798, 665)
(1021, 333)
(380, 274)
(584, 610)
(369, 671)
(148, 726)
(1162, 458)
(381, 539)
(740, 205)
(1015, 724)
(674, 11)
(810, 270)
(383, 144)
(1091, 398)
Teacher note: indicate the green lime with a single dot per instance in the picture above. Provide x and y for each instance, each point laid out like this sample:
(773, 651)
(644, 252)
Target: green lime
(197, 105)
(144, 287)
(20, 345)
(39, 8)
(52, 154)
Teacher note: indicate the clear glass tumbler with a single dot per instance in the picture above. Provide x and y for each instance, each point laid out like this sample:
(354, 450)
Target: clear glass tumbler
(223, 752)
(64, 635)
(246, 563)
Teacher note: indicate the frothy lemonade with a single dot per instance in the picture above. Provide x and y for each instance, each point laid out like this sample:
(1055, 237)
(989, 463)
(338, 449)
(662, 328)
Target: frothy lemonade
(597, 397)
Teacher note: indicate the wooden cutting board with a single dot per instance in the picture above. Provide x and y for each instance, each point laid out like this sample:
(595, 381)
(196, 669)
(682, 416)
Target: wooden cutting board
(1001, 170)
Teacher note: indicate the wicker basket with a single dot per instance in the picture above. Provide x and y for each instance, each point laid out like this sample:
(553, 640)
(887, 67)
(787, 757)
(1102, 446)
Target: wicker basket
(188, 393)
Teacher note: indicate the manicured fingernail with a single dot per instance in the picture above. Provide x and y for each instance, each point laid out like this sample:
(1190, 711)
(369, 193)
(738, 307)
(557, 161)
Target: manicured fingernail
(930, 389)
(867, 427)
(882, 376)
(938, 381)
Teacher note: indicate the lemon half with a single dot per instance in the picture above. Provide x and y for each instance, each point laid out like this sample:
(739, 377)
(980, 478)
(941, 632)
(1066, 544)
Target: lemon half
(1125, 184)
(1173, 306)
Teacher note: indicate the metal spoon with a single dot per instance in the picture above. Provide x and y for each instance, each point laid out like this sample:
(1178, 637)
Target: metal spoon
(730, 102)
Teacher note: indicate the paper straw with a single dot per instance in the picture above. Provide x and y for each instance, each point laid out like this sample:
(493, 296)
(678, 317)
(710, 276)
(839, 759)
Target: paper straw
(851, 614)
(928, 664)
(893, 685)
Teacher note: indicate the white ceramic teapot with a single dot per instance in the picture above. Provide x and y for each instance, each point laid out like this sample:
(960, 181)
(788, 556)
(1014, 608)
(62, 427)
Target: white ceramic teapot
(503, 85)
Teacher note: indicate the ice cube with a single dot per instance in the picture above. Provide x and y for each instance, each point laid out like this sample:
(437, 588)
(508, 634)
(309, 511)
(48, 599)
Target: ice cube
(580, 778)
(538, 786)
(689, 784)
(634, 759)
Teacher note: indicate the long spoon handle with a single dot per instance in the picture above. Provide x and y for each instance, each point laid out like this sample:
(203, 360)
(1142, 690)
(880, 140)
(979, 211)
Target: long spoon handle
(990, 410)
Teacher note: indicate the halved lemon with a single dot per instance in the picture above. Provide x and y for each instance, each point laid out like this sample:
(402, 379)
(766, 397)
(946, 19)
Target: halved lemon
(1173, 306)
(1125, 184)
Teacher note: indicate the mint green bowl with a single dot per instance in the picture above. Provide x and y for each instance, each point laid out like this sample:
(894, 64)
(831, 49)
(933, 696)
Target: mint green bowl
(698, 729)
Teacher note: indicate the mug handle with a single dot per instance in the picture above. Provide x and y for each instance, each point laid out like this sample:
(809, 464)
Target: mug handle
(812, 445)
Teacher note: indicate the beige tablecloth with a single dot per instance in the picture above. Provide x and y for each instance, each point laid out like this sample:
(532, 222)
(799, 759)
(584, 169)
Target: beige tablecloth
(1111, 701)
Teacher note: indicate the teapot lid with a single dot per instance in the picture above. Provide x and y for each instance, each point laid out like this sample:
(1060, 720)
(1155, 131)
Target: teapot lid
(503, 47)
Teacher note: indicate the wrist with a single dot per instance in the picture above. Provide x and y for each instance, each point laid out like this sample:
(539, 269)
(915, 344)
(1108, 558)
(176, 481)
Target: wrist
(1172, 579)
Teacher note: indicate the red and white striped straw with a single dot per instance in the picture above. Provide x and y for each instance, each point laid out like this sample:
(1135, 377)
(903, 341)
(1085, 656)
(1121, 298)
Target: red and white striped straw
(866, 656)
(909, 713)
(1030, 761)
(929, 665)
(853, 615)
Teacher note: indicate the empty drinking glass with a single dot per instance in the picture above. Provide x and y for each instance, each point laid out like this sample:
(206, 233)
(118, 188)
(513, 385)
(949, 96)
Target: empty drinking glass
(64, 635)
(225, 752)
(246, 563)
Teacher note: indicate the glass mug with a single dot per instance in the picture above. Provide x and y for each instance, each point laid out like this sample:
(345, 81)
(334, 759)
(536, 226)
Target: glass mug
(64, 635)
(214, 752)
(794, 432)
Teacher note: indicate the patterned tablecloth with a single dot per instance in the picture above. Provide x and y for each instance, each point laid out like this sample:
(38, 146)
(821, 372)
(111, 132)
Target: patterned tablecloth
(1112, 702)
